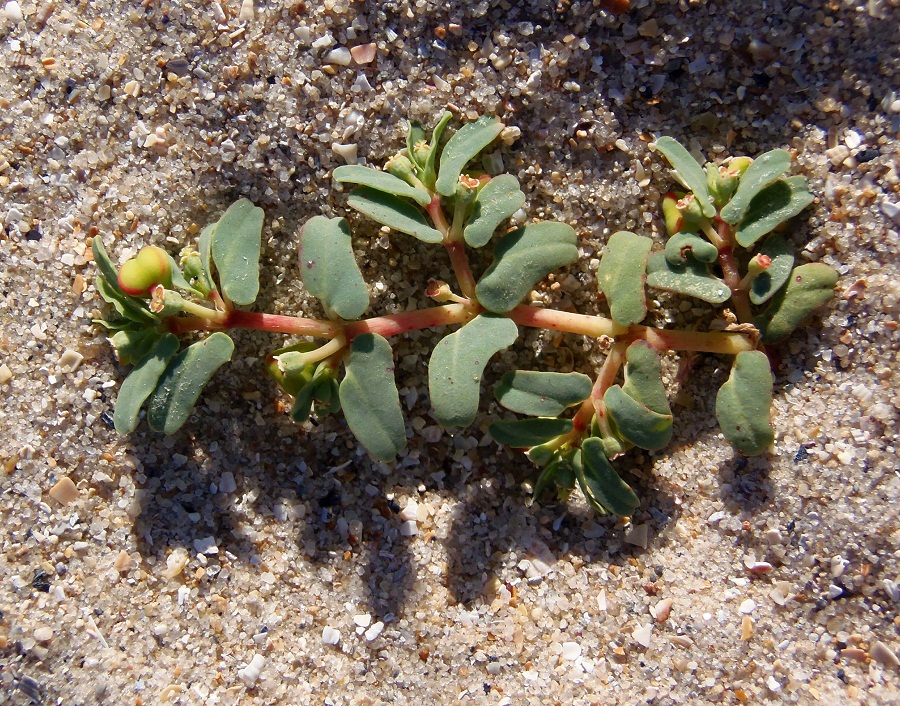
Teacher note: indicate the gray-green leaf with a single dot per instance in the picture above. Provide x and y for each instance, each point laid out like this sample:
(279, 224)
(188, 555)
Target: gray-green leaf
(184, 379)
(522, 258)
(622, 274)
(328, 267)
(643, 378)
(428, 172)
(369, 397)
(380, 181)
(498, 200)
(458, 362)
(468, 141)
(771, 207)
(809, 287)
(235, 251)
(393, 212)
(124, 305)
(688, 171)
(742, 404)
(133, 343)
(141, 382)
(692, 279)
(635, 422)
(763, 171)
(684, 244)
(770, 280)
(525, 433)
(603, 488)
(541, 394)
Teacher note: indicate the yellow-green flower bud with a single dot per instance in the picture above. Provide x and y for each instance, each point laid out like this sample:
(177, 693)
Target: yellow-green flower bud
(402, 168)
(151, 266)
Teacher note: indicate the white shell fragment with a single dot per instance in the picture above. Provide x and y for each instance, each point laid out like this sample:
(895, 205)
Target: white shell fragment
(250, 673)
(70, 360)
(571, 651)
(246, 14)
(374, 631)
(748, 606)
(330, 636)
(643, 634)
(883, 654)
(340, 56)
(346, 152)
(13, 12)
(175, 563)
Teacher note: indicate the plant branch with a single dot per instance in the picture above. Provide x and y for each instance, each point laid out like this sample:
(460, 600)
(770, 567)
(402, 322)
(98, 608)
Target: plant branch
(584, 324)
(393, 324)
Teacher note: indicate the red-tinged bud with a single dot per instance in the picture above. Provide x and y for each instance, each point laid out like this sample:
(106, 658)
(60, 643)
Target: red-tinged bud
(671, 213)
(140, 274)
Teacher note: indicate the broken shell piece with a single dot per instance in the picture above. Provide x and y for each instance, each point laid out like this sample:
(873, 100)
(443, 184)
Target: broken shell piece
(340, 56)
(64, 492)
(346, 152)
(250, 673)
(661, 610)
(175, 563)
(643, 634)
(123, 562)
(246, 13)
(883, 654)
(330, 636)
(746, 628)
(70, 360)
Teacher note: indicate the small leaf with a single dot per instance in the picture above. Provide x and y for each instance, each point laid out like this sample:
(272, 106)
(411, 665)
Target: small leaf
(105, 265)
(771, 207)
(322, 390)
(601, 485)
(560, 472)
(428, 173)
(394, 213)
(369, 397)
(204, 249)
(763, 171)
(742, 404)
(692, 279)
(770, 280)
(622, 274)
(688, 171)
(235, 251)
(124, 305)
(643, 378)
(522, 258)
(458, 362)
(546, 478)
(541, 394)
(635, 422)
(496, 201)
(809, 287)
(141, 382)
(414, 135)
(468, 141)
(134, 344)
(380, 181)
(328, 267)
(684, 244)
(525, 433)
(183, 381)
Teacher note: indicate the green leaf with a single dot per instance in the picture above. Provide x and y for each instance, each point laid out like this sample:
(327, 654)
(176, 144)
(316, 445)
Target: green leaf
(124, 305)
(369, 397)
(684, 244)
(560, 472)
(742, 404)
(204, 249)
(428, 171)
(771, 207)
(394, 213)
(141, 382)
(643, 378)
(601, 485)
(380, 181)
(688, 171)
(522, 258)
(133, 344)
(183, 381)
(414, 135)
(542, 394)
(322, 390)
(769, 281)
(458, 362)
(763, 171)
(468, 141)
(525, 433)
(635, 422)
(622, 274)
(235, 251)
(104, 264)
(328, 267)
(692, 279)
(809, 287)
(496, 201)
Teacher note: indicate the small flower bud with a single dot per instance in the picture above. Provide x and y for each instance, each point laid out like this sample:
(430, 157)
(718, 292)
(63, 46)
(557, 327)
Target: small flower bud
(671, 214)
(192, 266)
(421, 150)
(402, 168)
(758, 264)
(140, 274)
(722, 183)
(466, 189)
(165, 302)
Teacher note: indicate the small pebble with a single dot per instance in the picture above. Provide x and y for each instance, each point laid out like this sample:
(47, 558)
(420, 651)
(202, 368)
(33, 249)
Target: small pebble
(206, 545)
(340, 56)
(123, 562)
(834, 592)
(349, 153)
(250, 673)
(410, 512)
(748, 606)
(661, 610)
(746, 628)
(13, 12)
(571, 651)
(175, 563)
(70, 360)
(246, 13)
(892, 589)
(374, 631)
(637, 535)
(64, 492)
(409, 529)
(363, 53)
(45, 634)
(363, 620)
(838, 565)
(880, 653)
(227, 484)
(330, 636)
(5, 374)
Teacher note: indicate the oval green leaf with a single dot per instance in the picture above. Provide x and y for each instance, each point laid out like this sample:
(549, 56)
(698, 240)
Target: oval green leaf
(541, 394)
(684, 244)
(742, 404)
(525, 433)
(133, 344)
(393, 212)
(235, 251)
(328, 267)
(688, 171)
(105, 265)
(380, 181)
(769, 281)
(500, 198)
(457, 364)
(369, 397)
(622, 274)
(141, 382)
(184, 379)
(603, 488)
(635, 422)
(468, 141)
(415, 134)
(763, 171)
(643, 378)
(522, 258)
(692, 279)
(204, 249)
(771, 207)
(809, 287)
(126, 306)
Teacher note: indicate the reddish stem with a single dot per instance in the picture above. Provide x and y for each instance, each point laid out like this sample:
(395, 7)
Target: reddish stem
(461, 268)
(394, 324)
(732, 274)
(569, 322)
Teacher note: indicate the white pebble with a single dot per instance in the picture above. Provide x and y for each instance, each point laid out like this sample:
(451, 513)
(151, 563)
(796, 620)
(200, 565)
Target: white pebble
(838, 565)
(884, 654)
(13, 12)
(409, 529)
(218, 12)
(226, 483)
(206, 545)
(374, 631)
(773, 684)
(175, 563)
(250, 673)
(246, 13)
(5, 374)
(411, 511)
(835, 592)
(643, 634)
(43, 634)
(330, 636)
(340, 56)
(571, 651)
(346, 152)
(853, 139)
(748, 606)
(891, 210)
(70, 360)
(891, 588)
(637, 535)
(363, 620)
(601, 601)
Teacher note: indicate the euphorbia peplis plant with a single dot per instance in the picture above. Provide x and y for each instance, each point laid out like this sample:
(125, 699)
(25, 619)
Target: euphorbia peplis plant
(573, 424)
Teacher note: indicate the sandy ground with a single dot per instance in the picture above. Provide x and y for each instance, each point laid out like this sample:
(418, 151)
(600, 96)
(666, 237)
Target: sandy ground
(139, 122)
